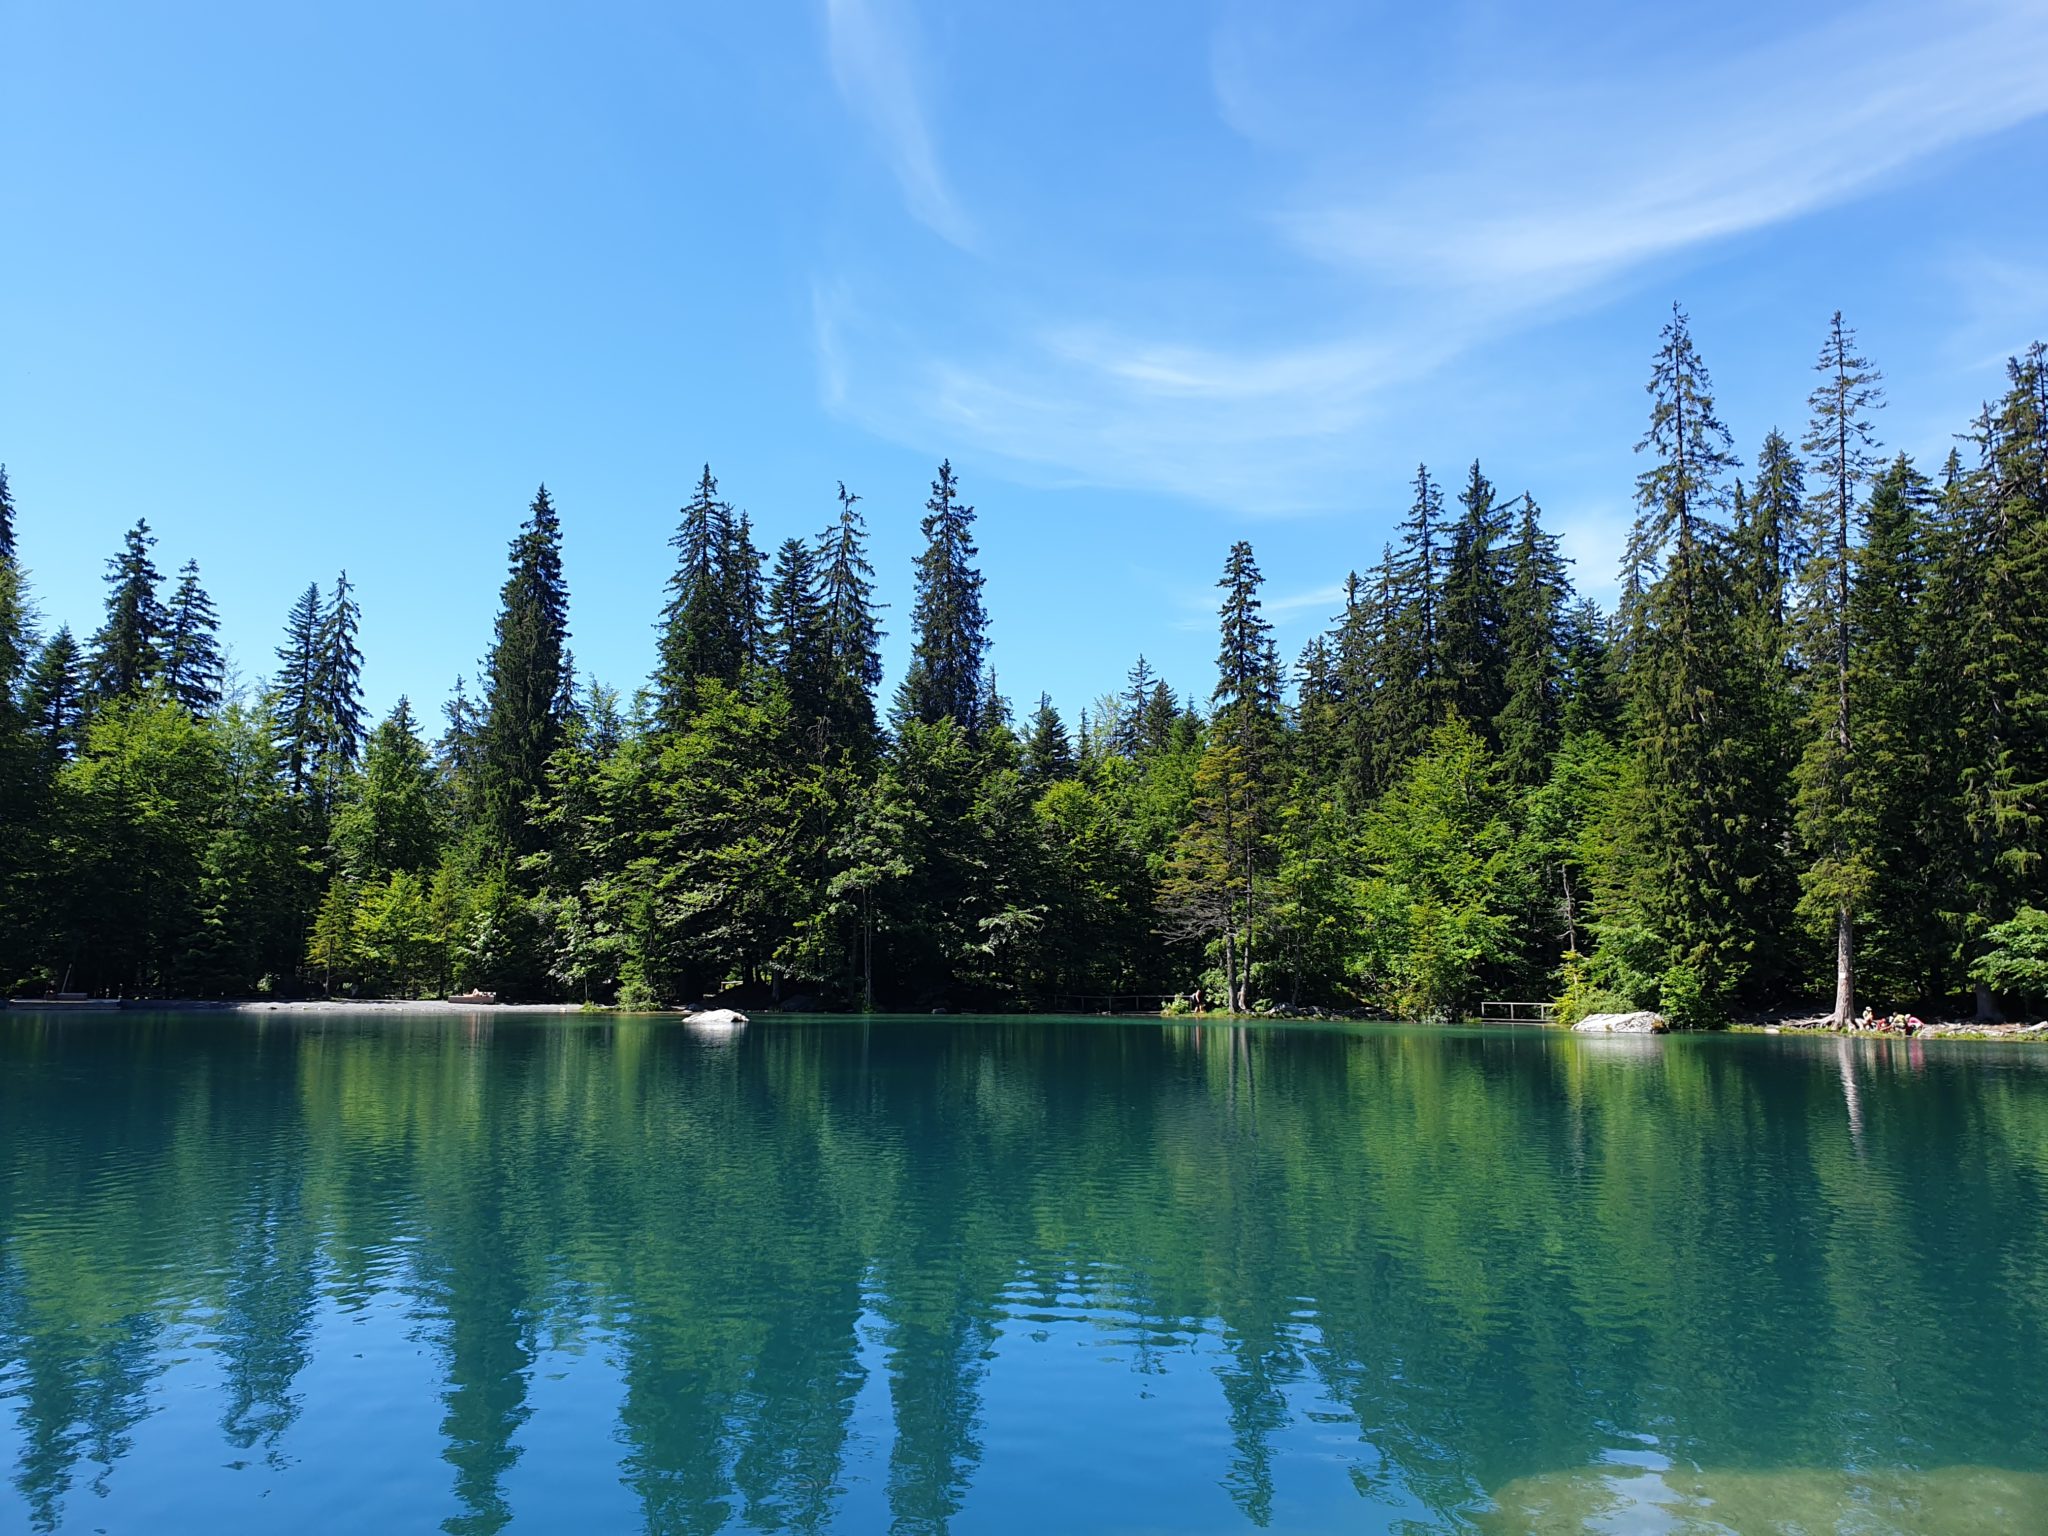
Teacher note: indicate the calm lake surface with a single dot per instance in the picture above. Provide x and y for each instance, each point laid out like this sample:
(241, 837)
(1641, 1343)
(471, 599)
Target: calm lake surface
(329, 1273)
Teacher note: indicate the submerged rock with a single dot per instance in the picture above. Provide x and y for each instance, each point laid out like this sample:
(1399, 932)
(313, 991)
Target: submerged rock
(1621, 1024)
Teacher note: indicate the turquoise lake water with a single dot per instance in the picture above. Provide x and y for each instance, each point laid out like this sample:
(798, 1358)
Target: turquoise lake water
(329, 1273)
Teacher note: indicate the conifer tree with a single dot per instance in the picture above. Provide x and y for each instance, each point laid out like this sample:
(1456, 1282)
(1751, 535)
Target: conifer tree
(296, 724)
(1128, 737)
(2005, 771)
(128, 650)
(1472, 609)
(1834, 814)
(1048, 753)
(192, 668)
(798, 642)
(338, 683)
(56, 697)
(1529, 723)
(1899, 945)
(1706, 837)
(6, 518)
(1772, 534)
(1679, 498)
(702, 632)
(949, 643)
(852, 633)
(1590, 703)
(522, 710)
(1412, 691)
(1246, 703)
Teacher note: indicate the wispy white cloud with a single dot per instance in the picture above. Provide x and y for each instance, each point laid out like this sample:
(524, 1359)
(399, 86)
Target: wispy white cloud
(1369, 251)
(1558, 182)
(874, 46)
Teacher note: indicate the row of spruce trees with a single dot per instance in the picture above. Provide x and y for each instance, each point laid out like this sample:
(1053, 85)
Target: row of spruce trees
(1805, 756)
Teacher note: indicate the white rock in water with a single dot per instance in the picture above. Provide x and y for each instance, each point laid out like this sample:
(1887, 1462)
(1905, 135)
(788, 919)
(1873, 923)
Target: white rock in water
(1621, 1024)
(720, 1016)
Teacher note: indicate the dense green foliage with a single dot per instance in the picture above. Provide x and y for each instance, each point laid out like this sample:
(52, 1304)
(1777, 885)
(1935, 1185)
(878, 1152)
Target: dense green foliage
(1810, 745)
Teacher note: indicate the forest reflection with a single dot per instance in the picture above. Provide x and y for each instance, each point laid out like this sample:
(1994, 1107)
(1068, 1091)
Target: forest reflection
(1478, 1258)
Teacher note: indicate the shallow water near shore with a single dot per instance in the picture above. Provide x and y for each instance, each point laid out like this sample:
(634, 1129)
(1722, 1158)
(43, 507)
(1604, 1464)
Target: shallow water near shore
(336, 1272)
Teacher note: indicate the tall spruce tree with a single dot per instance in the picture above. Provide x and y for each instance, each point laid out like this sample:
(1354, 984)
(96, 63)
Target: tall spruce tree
(128, 650)
(1529, 724)
(1411, 666)
(702, 634)
(192, 667)
(949, 629)
(522, 708)
(338, 683)
(1048, 751)
(1127, 738)
(2005, 774)
(1835, 820)
(1705, 839)
(798, 643)
(56, 696)
(1246, 705)
(1773, 534)
(296, 726)
(6, 518)
(1679, 499)
(1899, 945)
(1472, 610)
(852, 632)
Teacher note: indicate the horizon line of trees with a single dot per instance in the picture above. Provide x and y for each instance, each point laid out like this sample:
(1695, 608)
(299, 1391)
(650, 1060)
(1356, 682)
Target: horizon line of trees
(1806, 755)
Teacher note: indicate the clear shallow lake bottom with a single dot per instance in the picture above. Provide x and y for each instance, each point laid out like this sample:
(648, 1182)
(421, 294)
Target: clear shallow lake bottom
(334, 1273)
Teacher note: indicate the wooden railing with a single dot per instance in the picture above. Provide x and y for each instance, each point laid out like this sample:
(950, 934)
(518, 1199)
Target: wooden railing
(1503, 1011)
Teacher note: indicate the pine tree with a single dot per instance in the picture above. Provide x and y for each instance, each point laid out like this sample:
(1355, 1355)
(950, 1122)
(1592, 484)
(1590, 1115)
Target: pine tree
(1834, 816)
(6, 518)
(56, 697)
(1529, 724)
(338, 684)
(852, 633)
(1900, 944)
(296, 724)
(192, 668)
(1772, 533)
(949, 644)
(1246, 703)
(128, 650)
(522, 709)
(1411, 695)
(1127, 739)
(702, 632)
(1472, 617)
(1705, 839)
(2005, 774)
(1680, 496)
(1048, 753)
(798, 642)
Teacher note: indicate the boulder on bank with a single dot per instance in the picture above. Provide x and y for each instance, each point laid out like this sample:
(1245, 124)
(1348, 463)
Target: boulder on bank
(1621, 1024)
(723, 1017)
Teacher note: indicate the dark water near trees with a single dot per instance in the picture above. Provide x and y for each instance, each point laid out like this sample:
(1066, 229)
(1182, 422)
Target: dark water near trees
(931, 1274)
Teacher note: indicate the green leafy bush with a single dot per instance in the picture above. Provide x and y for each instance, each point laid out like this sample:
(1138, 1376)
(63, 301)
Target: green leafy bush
(1687, 1001)
(2017, 961)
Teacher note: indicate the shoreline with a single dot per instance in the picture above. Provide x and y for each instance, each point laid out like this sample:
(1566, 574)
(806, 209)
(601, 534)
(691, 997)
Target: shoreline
(442, 1007)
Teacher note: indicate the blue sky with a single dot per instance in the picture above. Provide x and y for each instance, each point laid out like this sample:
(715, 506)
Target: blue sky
(325, 286)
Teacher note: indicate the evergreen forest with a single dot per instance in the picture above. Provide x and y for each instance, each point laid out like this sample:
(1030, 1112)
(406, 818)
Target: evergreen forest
(1801, 763)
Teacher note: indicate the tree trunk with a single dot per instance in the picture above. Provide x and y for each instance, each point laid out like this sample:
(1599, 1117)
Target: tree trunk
(1845, 966)
(1987, 1005)
(867, 953)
